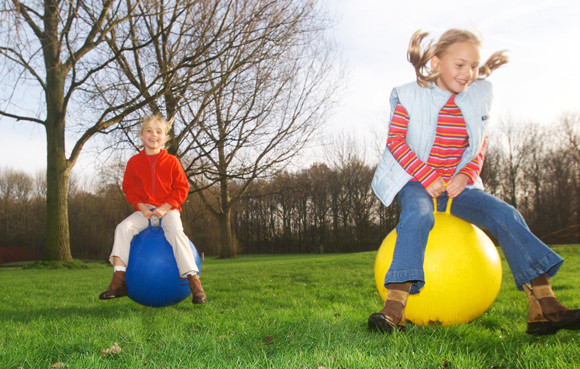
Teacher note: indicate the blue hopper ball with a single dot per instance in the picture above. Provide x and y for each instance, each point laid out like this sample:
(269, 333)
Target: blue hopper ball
(152, 276)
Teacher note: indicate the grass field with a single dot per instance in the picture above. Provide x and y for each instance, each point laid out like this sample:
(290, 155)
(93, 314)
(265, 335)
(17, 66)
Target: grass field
(298, 311)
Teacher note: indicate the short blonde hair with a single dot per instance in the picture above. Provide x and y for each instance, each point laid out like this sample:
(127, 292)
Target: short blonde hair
(148, 119)
(419, 56)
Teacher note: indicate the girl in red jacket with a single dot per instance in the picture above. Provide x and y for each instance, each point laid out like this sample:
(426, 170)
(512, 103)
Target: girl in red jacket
(156, 185)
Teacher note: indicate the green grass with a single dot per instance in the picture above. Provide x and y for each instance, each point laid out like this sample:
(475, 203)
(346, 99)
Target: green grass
(304, 311)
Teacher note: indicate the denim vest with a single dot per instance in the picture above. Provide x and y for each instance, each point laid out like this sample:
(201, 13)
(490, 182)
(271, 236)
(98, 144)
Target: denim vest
(423, 106)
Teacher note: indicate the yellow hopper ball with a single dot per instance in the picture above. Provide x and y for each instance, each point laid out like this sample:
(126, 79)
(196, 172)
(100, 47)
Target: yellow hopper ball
(462, 272)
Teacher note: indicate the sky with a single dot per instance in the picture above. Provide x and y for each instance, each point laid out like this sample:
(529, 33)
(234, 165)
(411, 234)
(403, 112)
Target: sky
(539, 84)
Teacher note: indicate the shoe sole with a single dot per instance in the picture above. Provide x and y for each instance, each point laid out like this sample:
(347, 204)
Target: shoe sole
(104, 296)
(547, 327)
(199, 299)
(379, 322)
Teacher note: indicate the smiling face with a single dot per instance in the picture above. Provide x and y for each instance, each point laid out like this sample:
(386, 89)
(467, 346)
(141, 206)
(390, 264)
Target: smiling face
(153, 136)
(458, 67)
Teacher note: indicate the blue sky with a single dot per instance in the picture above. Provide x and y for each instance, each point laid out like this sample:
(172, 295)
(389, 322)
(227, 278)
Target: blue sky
(540, 83)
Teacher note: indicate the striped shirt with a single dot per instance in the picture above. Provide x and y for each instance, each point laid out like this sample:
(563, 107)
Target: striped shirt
(450, 142)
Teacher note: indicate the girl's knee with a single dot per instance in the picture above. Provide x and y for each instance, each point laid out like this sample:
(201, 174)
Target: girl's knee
(122, 228)
(506, 214)
(426, 218)
(421, 216)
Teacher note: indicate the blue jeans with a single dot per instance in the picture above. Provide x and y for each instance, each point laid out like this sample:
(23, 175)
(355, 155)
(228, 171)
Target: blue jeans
(527, 256)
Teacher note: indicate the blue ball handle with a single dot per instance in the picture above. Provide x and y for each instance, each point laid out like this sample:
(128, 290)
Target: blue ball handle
(158, 224)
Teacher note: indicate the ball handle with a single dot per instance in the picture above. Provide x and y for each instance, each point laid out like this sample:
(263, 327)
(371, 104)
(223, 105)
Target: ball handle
(447, 209)
(158, 220)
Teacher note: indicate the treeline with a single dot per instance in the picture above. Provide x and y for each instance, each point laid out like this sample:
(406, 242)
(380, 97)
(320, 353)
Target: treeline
(322, 208)
(319, 209)
(332, 209)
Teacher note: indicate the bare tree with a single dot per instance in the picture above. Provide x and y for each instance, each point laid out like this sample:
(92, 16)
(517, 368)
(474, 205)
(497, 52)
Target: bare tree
(182, 34)
(516, 152)
(570, 124)
(536, 173)
(55, 52)
(564, 180)
(319, 175)
(491, 173)
(268, 95)
(15, 193)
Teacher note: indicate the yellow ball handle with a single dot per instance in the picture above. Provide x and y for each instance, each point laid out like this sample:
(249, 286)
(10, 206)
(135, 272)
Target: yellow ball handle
(449, 201)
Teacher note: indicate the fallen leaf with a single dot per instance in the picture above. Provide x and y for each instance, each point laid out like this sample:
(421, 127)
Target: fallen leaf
(57, 365)
(115, 349)
(269, 339)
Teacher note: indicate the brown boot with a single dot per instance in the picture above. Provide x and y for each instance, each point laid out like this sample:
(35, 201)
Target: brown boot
(198, 295)
(392, 315)
(117, 288)
(547, 315)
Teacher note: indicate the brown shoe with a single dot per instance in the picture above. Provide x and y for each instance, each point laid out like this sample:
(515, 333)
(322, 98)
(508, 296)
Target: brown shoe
(547, 315)
(384, 323)
(198, 295)
(117, 288)
(392, 315)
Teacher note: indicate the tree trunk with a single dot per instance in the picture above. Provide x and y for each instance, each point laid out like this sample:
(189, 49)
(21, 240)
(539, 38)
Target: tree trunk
(57, 175)
(229, 247)
(57, 167)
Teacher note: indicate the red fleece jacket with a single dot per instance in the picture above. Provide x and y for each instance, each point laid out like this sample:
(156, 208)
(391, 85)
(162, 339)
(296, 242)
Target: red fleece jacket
(162, 182)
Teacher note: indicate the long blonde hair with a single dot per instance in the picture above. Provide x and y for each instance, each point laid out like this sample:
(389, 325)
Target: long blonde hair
(419, 56)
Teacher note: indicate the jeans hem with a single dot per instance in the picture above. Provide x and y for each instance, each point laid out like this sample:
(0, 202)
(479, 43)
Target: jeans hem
(549, 265)
(417, 276)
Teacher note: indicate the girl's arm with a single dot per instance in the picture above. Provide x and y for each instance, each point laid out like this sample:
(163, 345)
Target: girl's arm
(180, 189)
(468, 174)
(179, 185)
(473, 168)
(397, 144)
(130, 184)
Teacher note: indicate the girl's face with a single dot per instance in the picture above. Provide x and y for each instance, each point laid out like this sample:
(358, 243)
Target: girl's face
(459, 67)
(153, 137)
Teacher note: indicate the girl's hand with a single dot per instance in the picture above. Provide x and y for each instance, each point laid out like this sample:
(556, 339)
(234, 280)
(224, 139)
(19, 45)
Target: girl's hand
(144, 209)
(436, 188)
(456, 185)
(160, 211)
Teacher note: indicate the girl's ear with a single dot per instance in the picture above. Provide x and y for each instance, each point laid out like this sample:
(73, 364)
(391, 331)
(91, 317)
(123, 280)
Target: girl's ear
(434, 63)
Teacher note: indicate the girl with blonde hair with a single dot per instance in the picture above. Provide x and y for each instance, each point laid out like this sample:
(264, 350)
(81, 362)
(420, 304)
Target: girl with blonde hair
(435, 150)
(155, 184)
